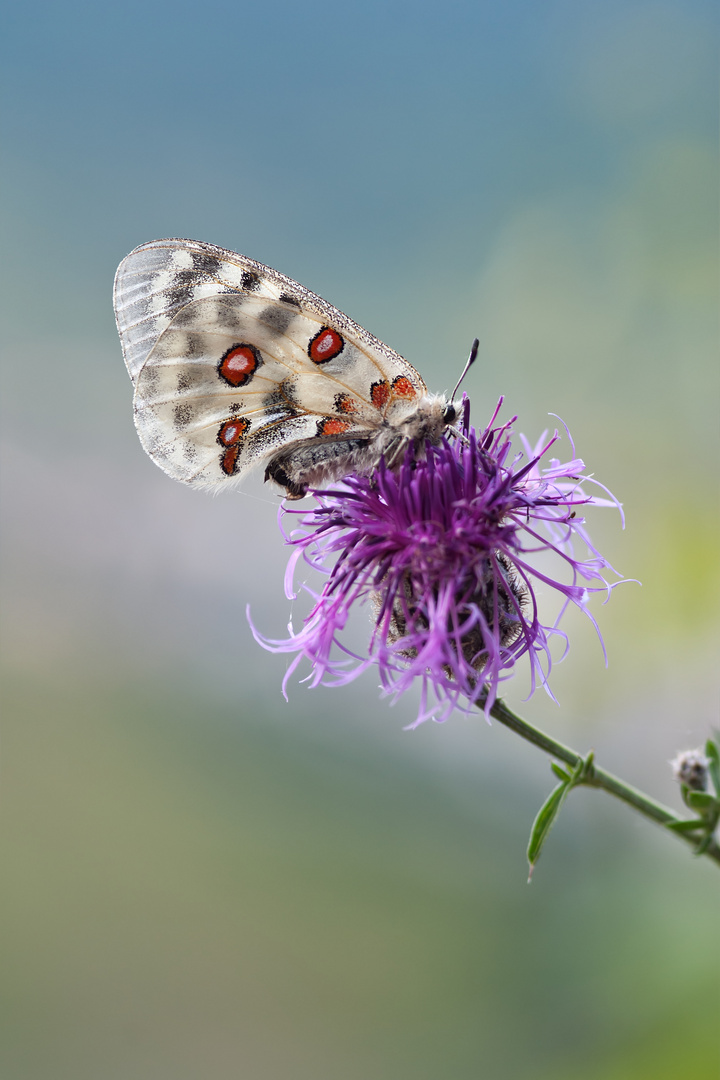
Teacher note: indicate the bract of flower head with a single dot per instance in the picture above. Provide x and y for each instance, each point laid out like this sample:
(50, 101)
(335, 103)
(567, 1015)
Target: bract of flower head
(447, 552)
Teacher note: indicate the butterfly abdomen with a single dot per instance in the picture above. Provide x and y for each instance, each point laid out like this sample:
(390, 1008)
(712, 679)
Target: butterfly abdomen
(319, 461)
(331, 456)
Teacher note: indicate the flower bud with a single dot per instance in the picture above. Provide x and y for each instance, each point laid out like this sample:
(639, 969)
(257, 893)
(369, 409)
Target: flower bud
(691, 768)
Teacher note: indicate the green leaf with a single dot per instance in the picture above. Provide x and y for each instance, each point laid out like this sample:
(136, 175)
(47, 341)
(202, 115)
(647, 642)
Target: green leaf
(700, 800)
(544, 822)
(561, 773)
(704, 844)
(686, 826)
(585, 768)
(713, 755)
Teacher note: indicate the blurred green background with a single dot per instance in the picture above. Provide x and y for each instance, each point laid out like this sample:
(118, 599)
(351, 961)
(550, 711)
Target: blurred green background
(201, 880)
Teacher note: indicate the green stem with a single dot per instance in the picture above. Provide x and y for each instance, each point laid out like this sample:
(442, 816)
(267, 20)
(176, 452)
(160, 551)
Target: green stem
(597, 777)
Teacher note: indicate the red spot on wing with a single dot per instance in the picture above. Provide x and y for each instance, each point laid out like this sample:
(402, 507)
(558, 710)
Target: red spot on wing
(326, 345)
(402, 387)
(380, 394)
(332, 426)
(345, 404)
(228, 460)
(232, 431)
(239, 364)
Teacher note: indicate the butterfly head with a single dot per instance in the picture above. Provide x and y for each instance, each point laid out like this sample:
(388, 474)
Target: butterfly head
(429, 420)
(435, 415)
(450, 414)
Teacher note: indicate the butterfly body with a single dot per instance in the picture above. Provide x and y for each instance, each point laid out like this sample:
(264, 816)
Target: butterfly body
(236, 365)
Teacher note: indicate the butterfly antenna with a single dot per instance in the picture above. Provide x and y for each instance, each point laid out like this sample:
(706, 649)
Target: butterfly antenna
(470, 361)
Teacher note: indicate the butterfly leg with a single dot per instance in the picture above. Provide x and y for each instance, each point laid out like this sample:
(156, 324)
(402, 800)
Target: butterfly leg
(395, 452)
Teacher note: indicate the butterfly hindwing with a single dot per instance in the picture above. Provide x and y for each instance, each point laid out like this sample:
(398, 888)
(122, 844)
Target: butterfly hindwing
(233, 362)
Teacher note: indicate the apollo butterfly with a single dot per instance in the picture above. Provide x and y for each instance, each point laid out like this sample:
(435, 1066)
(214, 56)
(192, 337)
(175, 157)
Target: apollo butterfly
(235, 364)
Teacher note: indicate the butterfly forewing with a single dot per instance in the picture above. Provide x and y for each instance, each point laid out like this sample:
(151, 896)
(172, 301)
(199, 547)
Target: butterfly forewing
(233, 362)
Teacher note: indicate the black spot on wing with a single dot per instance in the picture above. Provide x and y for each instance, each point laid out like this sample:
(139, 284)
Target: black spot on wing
(204, 268)
(206, 265)
(277, 318)
(250, 280)
(217, 311)
(178, 292)
(228, 310)
(288, 299)
(221, 309)
(182, 415)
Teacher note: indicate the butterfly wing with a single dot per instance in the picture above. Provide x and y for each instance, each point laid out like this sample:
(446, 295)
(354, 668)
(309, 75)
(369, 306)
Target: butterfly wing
(234, 363)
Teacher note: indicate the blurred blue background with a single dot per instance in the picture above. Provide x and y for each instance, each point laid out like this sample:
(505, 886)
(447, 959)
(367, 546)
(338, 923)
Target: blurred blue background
(200, 879)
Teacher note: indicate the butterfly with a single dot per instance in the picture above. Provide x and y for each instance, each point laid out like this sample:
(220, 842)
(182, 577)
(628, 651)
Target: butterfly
(236, 365)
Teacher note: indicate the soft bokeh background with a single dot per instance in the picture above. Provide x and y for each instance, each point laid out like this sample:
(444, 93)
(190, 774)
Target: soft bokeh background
(200, 879)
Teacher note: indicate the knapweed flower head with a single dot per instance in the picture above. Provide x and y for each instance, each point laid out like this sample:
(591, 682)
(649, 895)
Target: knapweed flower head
(447, 553)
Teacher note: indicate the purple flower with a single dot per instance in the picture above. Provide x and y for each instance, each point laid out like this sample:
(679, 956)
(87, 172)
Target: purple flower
(446, 553)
